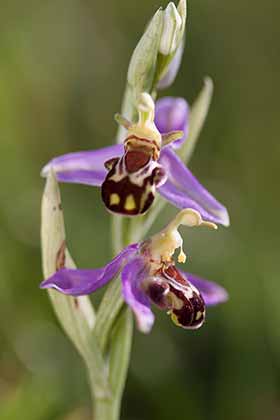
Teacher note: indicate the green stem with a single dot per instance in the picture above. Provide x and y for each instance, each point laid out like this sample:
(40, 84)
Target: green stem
(108, 310)
(117, 233)
(104, 409)
(198, 114)
(138, 231)
(121, 341)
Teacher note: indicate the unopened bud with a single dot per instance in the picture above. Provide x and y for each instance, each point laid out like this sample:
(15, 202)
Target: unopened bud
(143, 61)
(172, 43)
(172, 23)
(172, 69)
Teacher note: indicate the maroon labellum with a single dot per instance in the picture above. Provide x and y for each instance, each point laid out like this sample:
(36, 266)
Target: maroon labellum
(130, 185)
(171, 291)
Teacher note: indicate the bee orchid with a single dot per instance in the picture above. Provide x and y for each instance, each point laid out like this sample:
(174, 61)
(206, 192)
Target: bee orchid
(149, 276)
(131, 173)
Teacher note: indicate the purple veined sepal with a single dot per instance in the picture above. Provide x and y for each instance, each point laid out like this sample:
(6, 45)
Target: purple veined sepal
(183, 190)
(172, 114)
(133, 276)
(86, 167)
(78, 282)
(212, 293)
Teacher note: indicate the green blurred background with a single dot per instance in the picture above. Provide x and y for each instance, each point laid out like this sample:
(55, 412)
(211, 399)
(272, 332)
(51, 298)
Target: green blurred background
(62, 73)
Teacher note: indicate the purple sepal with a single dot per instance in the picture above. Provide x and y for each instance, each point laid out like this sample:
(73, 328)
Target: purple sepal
(133, 275)
(83, 167)
(172, 114)
(212, 293)
(83, 282)
(183, 190)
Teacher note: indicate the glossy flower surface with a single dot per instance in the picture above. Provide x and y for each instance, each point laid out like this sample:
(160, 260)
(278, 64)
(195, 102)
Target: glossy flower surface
(149, 275)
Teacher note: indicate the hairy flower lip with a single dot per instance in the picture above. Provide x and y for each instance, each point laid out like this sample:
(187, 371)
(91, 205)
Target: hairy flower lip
(181, 188)
(182, 294)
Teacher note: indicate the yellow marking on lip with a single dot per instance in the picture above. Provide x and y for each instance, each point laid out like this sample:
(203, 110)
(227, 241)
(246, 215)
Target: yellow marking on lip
(176, 302)
(198, 315)
(114, 199)
(130, 203)
(175, 319)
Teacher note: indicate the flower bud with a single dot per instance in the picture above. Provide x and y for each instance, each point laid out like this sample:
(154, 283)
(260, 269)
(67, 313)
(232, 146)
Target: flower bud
(171, 43)
(142, 65)
(168, 78)
(172, 23)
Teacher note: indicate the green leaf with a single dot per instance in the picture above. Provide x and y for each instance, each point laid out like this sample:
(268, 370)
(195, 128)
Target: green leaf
(76, 315)
(108, 310)
(120, 349)
(198, 114)
(143, 61)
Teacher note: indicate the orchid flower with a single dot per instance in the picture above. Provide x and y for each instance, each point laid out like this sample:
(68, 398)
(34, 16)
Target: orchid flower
(130, 173)
(149, 275)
